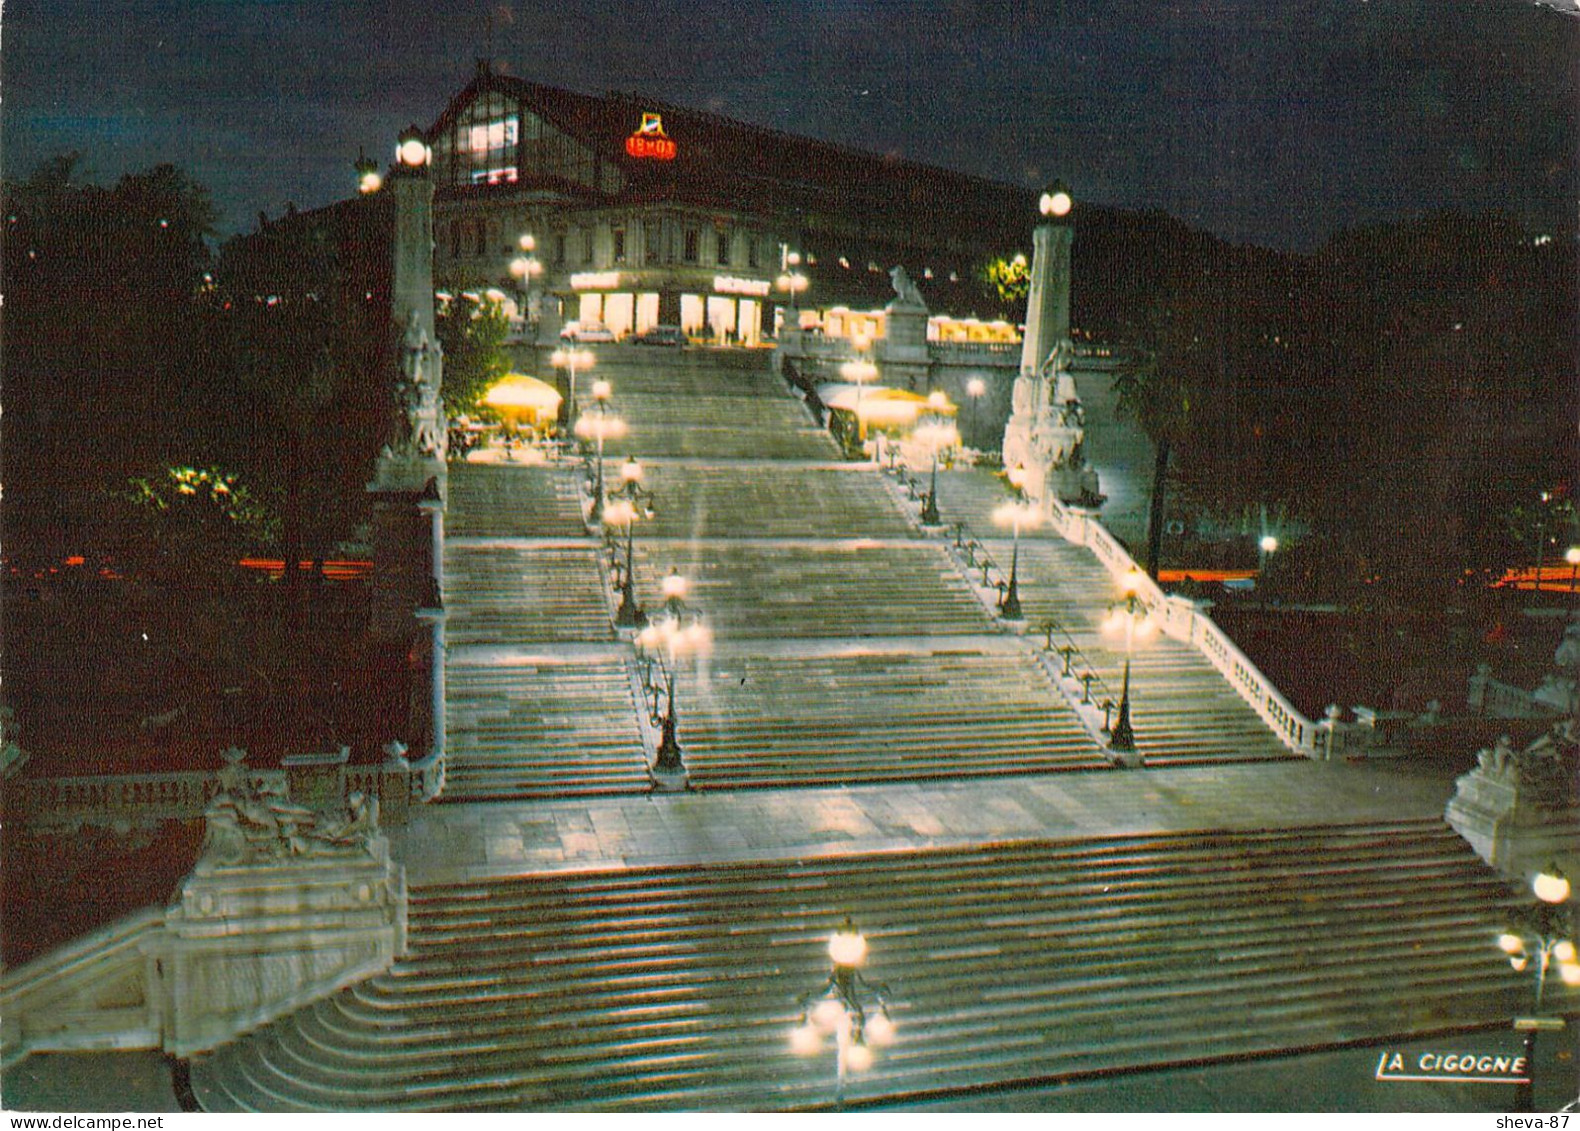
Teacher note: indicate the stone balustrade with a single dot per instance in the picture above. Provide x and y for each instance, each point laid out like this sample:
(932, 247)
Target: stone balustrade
(1183, 620)
(1498, 700)
(975, 353)
(124, 801)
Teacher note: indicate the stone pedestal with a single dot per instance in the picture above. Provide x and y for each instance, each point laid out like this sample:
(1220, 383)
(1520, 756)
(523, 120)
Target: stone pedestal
(903, 355)
(1518, 809)
(250, 942)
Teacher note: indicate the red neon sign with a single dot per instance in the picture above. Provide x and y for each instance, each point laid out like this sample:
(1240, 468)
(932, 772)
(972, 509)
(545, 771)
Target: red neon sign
(649, 141)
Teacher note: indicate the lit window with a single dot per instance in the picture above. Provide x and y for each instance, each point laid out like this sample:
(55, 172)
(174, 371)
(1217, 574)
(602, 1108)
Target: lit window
(494, 135)
(504, 175)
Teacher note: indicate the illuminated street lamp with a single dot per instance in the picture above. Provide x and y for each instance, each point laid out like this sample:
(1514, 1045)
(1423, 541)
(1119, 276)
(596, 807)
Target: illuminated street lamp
(790, 279)
(1539, 939)
(598, 428)
(411, 150)
(1056, 203)
(1267, 544)
(629, 502)
(572, 359)
(1572, 556)
(935, 433)
(1015, 514)
(369, 179)
(673, 635)
(1130, 615)
(853, 1009)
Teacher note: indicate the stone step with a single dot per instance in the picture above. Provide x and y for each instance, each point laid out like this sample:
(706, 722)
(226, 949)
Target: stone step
(498, 594)
(656, 988)
(500, 500)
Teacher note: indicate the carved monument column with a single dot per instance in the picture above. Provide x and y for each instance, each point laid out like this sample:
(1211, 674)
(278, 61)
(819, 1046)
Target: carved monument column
(410, 481)
(1027, 433)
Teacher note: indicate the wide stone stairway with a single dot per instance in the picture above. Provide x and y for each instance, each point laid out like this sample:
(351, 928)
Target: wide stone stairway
(866, 738)
(1182, 708)
(662, 988)
(849, 647)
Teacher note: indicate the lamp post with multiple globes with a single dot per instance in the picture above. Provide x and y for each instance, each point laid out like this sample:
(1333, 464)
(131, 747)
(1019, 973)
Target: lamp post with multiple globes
(790, 279)
(599, 427)
(524, 268)
(848, 1006)
(570, 358)
(1130, 615)
(627, 503)
(935, 433)
(674, 634)
(858, 371)
(1539, 938)
(1016, 513)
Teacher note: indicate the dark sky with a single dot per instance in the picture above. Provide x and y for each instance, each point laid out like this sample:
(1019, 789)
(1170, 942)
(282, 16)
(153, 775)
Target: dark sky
(1272, 121)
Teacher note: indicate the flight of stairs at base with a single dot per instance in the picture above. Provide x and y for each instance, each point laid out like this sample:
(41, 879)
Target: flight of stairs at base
(676, 988)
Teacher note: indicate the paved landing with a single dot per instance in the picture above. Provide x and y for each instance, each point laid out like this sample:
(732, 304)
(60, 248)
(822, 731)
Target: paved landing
(486, 839)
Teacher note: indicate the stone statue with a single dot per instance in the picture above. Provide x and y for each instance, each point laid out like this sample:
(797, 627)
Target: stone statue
(421, 368)
(905, 290)
(251, 820)
(1544, 771)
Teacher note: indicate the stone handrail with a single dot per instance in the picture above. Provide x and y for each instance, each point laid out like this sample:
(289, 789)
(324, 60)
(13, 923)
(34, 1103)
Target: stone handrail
(1184, 621)
(34, 993)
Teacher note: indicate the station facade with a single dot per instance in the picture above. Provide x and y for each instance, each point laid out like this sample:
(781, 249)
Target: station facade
(638, 214)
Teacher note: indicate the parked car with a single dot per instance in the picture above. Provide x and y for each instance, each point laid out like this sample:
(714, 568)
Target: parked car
(662, 336)
(587, 332)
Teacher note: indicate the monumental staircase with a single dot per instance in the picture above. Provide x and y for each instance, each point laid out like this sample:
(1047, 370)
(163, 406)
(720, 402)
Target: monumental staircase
(549, 963)
(664, 988)
(850, 644)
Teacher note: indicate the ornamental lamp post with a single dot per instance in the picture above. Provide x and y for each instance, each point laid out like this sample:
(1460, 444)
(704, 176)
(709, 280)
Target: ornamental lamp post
(668, 638)
(1132, 616)
(859, 370)
(1539, 938)
(790, 279)
(936, 433)
(1572, 556)
(572, 359)
(625, 510)
(599, 428)
(1016, 513)
(853, 1009)
(524, 268)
